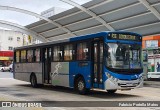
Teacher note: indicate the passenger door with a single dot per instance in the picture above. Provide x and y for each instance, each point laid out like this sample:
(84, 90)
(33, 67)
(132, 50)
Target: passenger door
(97, 58)
(46, 56)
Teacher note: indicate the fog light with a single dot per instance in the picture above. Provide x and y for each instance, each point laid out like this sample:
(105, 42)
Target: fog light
(115, 79)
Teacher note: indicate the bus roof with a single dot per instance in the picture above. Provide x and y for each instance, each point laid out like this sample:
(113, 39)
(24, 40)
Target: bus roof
(88, 36)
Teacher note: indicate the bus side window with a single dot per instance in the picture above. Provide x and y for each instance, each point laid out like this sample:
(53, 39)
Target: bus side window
(82, 51)
(57, 53)
(37, 55)
(30, 55)
(68, 52)
(23, 56)
(17, 56)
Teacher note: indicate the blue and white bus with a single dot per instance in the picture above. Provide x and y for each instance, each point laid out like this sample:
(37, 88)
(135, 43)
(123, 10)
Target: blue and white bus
(107, 60)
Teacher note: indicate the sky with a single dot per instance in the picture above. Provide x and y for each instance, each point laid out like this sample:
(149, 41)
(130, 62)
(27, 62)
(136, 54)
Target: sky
(36, 6)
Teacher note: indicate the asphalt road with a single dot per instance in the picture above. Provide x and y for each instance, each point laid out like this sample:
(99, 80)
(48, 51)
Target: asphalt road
(6, 75)
(15, 90)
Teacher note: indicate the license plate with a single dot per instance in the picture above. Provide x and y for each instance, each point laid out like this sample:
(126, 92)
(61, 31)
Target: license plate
(129, 84)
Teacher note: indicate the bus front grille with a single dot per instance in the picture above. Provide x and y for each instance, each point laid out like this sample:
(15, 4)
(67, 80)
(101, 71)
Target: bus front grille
(128, 85)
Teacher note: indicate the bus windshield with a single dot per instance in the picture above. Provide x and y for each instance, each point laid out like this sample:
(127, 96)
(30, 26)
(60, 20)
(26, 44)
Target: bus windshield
(123, 56)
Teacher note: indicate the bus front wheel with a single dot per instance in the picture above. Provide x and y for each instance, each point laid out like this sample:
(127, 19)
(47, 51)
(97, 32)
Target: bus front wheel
(80, 86)
(33, 81)
(111, 91)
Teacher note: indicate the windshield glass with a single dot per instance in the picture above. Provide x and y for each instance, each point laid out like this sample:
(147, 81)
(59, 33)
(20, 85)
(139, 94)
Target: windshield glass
(123, 56)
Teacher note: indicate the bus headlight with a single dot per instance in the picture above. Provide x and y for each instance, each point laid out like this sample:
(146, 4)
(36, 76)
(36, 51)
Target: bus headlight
(111, 77)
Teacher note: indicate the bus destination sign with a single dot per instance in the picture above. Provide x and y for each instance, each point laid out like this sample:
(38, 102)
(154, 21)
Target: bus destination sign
(116, 36)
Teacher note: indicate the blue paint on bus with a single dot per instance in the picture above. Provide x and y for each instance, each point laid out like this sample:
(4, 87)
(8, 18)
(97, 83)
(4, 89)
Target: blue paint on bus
(75, 69)
(101, 34)
(130, 76)
(82, 68)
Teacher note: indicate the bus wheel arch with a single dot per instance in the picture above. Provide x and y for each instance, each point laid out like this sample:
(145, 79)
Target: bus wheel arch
(33, 80)
(80, 84)
(111, 91)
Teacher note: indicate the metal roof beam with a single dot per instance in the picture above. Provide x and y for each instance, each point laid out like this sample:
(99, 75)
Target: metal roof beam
(151, 8)
(88, 28)
(129, 6)
(78, 22)
(119, 9)
(91, 8)
(99, 4)
(90, 13)
(77, 12)
(119, 20)
(57, 35)
(39, 25)
(134, 16)
(105, 14)
(36, 15)
(48, 30)
(136, 27)
(127, 18)
(23, 29)
(57, 19)
(155, 4)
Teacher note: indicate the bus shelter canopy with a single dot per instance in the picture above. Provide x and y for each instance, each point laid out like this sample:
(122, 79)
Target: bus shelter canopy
(140, 16)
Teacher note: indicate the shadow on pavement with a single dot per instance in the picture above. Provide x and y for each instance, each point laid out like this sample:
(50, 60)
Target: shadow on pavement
(96, 94)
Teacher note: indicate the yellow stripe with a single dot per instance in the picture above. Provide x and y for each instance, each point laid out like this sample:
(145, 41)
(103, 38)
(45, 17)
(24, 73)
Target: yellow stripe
(4, 58)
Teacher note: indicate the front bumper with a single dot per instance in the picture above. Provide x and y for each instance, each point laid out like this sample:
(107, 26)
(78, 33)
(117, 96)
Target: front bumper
(123, 84)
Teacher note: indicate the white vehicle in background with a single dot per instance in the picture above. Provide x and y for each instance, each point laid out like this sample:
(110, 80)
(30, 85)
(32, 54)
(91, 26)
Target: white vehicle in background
(153, 75)
(6, 68)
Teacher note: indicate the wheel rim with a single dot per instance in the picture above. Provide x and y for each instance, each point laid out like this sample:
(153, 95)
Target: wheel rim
(80, 85)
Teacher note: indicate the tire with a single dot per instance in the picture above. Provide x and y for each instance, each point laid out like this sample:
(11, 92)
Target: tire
(111, 91)
(80, 86)
(2, 70)
(33, 81)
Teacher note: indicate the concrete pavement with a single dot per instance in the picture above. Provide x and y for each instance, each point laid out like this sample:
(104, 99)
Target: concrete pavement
(15, 90)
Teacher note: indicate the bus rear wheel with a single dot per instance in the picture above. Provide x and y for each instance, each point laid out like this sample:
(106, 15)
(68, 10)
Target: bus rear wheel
(33, 81)
(111, 91)
(80, 86)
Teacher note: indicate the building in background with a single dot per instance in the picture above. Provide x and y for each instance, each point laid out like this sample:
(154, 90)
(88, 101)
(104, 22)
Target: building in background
(52, 11)
(9, 40)
(151, 52)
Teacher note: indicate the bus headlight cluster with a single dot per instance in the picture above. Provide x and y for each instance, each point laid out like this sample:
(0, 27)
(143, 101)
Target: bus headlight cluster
(111, 77)
(141, 78)
(108, 75)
